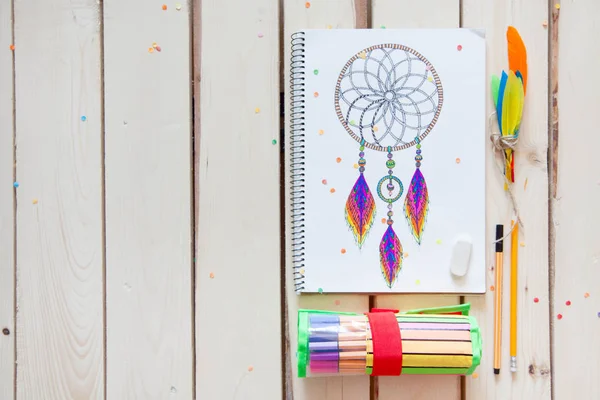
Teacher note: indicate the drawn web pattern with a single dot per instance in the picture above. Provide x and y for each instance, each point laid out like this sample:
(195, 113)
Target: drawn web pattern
(388, 95)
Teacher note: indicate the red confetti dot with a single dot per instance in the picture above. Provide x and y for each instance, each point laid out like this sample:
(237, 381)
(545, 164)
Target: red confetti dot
(559, 316)
(568, 302)
(536, 300)
(324, 181)
(459, 47)
(492, 288)
(337, 302)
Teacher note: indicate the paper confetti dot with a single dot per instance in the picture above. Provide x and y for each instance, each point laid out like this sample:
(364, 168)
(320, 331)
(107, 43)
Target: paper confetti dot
(439, 241)
(338, 160)
(362, 55)
(475, 375)
(178, 6)
(428, 67)
(256, 110)
(343, 251)
(316, 72)
(557, 6)
(12, 47)
(352, 122)
(522, 244)
(16, 184)
(383, 220)
(375, 129)
(212, 275)
(492, 288)
(418, 282)
(301, 271)
(158, 48)
(250, 368)
(405, 254)
(150, 49)
(525, 185)
(260, 35)
(332, 190)
(536, 300)
(83, 118)
(430, 79)
(324, 181)
(355, 166)
(307, 4)
(382, 26)
(459, 47)
(337, 302)
(568, 302)
(559, 316)
(34, 201)
(598, 314)
(316, 94)
(273, 141)
(164, 7)
(329, 26)
(545, 23)
(320, 290)
(321, 131)
(457, 160)
(586, 295)
(154, 44)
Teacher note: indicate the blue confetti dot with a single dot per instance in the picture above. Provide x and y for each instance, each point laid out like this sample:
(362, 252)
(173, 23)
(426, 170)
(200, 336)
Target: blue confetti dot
(16, 184)
(83, 118)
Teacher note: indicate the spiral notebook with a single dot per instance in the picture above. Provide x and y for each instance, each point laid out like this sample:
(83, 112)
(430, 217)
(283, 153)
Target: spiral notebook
(386, 160)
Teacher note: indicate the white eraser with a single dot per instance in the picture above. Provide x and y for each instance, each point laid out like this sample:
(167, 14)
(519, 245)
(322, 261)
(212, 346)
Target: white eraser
(461, 257)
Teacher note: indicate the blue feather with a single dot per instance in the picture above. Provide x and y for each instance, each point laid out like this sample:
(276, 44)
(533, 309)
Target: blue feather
(503, 81)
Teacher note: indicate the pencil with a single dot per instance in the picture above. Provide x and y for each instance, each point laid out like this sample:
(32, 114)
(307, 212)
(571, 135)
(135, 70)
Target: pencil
(514, 248)
(498, 299)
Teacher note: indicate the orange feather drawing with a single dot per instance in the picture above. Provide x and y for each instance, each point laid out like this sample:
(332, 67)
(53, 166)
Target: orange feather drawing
(517, 54)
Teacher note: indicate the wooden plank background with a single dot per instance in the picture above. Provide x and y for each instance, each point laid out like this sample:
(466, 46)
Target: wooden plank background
(145, 236)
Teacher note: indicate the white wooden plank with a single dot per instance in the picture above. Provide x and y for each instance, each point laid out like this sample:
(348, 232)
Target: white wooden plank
(238, 310)
(422, 14)
(148, 200)
(321, 14)
(532, 381)
(7, 306)
(59, 216)
(576, 350)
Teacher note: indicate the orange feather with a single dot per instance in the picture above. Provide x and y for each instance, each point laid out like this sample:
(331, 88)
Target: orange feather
(517, 54)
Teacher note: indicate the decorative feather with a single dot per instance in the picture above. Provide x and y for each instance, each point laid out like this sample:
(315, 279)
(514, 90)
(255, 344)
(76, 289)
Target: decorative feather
(390, 255)
(512, 112)
(416, 205)
(495, 89)
(360, 210)
(501, 90)
(517, 54)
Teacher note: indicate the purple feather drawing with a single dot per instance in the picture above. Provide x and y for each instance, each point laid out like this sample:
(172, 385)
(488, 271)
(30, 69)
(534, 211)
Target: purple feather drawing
(416, 205)
(360, 210)
(390, 254)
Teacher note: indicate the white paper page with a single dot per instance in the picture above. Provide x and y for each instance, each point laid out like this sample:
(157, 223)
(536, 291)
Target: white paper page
(453, 162)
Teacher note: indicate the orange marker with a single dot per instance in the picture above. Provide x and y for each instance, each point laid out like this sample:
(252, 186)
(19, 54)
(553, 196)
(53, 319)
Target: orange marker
(498, 299)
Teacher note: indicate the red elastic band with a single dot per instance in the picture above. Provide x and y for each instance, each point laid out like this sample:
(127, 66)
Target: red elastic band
(387, 343)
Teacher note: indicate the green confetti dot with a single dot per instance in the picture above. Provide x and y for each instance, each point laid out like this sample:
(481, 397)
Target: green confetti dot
(320, 290)
(382, 26)
(316, 72)
(352, 122)
(274, 141)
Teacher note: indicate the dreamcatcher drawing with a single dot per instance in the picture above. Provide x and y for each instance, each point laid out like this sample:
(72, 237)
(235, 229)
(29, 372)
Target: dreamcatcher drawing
(388, 98)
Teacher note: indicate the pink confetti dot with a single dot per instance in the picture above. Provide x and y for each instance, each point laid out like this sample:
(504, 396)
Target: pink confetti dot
(260, 35)
(536, 300)
(568, 302)
(337, 302)
(459, 47)
(559, 316)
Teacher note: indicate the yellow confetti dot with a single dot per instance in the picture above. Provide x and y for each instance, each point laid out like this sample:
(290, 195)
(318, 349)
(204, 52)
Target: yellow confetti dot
(557, 6)
(307, 4)
(338, 160)
(430, 79)
(212, 275)
(154, 44)
(475, 375)
(362, 55)
(151, 50)
(457, 160)
(375, 129)
(256, 110)
(418, 281)
(321, 131)
(343, 251)
(332, 190)
(324, 181)
(355, 166)
(439, 241)
(250, 368)
(525, 185)
(586, 295)
(522, 244)
(329, 26)
(301, 271)
(405, 254)
(34, 201)
(492, 288)
(316, 94)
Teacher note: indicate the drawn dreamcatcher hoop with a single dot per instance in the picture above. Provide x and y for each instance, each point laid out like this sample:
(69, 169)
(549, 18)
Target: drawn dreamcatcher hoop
(388, 98)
